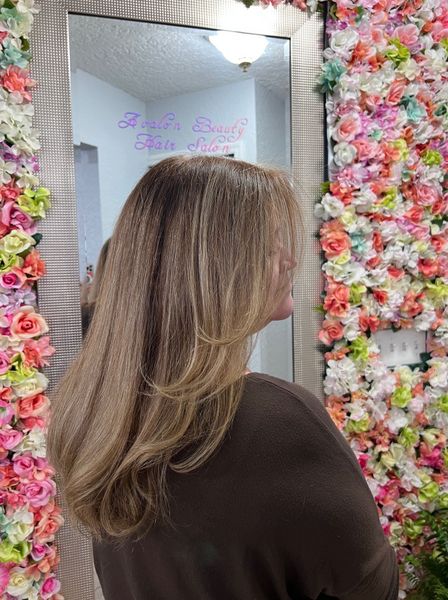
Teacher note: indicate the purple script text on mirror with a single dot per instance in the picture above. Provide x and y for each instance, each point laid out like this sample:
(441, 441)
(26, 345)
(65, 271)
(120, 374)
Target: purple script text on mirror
(232, 133)
(223, 135)
(131, 119)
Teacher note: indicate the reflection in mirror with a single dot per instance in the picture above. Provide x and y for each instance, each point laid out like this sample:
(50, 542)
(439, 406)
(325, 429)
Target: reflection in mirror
(142, 92)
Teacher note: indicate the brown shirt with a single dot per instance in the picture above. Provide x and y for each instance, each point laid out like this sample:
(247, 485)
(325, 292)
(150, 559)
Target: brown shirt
(281, 512)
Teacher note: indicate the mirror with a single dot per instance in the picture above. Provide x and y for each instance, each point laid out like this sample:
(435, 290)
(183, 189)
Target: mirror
(141, 92)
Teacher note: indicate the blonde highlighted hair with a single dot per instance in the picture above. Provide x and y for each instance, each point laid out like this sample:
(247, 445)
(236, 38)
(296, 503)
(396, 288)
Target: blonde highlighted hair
(186, 283)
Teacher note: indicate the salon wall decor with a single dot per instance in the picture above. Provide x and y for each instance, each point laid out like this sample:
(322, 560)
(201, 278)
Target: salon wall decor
(159, 134)
(29, 517)
(385, 241)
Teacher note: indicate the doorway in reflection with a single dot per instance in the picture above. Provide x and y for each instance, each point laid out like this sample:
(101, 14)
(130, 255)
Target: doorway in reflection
(142, 92)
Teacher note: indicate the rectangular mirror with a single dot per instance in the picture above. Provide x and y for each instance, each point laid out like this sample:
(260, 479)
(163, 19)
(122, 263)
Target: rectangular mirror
(112, 70)
(150, 91)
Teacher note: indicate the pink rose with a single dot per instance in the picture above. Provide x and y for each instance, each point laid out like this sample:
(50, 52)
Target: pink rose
(32, 406)
(407, 34)
(426, 195)
(439, 31)
(46, 529)
(337, 300)
(28, 324)
(366, 148)
(38, 493)
(428, 267)
(335, 243)
(23, 466)
(4, 578)
(4, 362)
(38, 552)
(348, 128)
(36, 351)
(13, 279)
(50, 587)
(16, 80)
(13, 217)
(42, 469)
(330, 332)
(10, 438)
(373, 101)
(396, 91)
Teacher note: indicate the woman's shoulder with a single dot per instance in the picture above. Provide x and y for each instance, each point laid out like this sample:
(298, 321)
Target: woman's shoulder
(288, 415)
(272, 389)
(273, 398)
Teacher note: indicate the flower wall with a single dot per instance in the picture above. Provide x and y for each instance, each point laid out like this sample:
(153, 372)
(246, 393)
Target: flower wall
(29, 517)
(385, 242)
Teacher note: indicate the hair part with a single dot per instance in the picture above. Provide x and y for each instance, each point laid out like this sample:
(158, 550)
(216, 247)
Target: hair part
(157, 383)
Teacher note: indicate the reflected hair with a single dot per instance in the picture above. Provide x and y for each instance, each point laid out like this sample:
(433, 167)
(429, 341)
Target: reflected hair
(99, 272)
(187, 282)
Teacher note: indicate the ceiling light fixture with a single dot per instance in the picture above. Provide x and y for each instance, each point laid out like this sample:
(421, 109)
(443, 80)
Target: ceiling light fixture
(239, 48)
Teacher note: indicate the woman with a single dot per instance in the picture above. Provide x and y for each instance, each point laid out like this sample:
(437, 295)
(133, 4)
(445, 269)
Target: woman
(198, 480)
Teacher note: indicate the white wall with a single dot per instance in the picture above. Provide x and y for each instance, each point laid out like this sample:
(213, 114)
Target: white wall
(97, 107)
(271, 133)
(273, 351)
(90, 228)
(225, 105)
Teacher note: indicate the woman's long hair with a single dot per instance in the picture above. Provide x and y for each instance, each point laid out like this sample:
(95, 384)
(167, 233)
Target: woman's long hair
(187, 282)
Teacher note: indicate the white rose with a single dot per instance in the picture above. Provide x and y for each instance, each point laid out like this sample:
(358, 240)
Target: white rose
(396, 420)
(378, 410)
(364, 200)
(344, 154)
(333, 206)
(343, 42)
(424, 320)
(389, 230)
(437, 58)
(374, 487)
(351, 331)
(409, 68)
(348, 273)
(424, 131)
(382, 388)
(35, 384)
(17, 532)
(440, 377)
(341, 377)
(357, 411)
(34, 443)
(19, 584)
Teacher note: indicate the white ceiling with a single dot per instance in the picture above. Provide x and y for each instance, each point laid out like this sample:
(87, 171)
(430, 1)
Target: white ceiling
(151, 61)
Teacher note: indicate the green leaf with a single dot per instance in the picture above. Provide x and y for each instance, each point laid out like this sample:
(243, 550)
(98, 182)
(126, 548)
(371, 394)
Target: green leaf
(325, 187)
(37, 237)
(425, 356)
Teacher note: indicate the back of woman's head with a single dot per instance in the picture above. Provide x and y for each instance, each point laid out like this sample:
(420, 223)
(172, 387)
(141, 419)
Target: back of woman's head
(186, 283)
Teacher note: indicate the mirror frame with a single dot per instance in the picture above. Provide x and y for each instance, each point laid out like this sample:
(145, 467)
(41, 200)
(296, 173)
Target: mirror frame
(59, 292)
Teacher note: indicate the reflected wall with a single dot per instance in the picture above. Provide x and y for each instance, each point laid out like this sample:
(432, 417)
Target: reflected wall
(153, 91)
